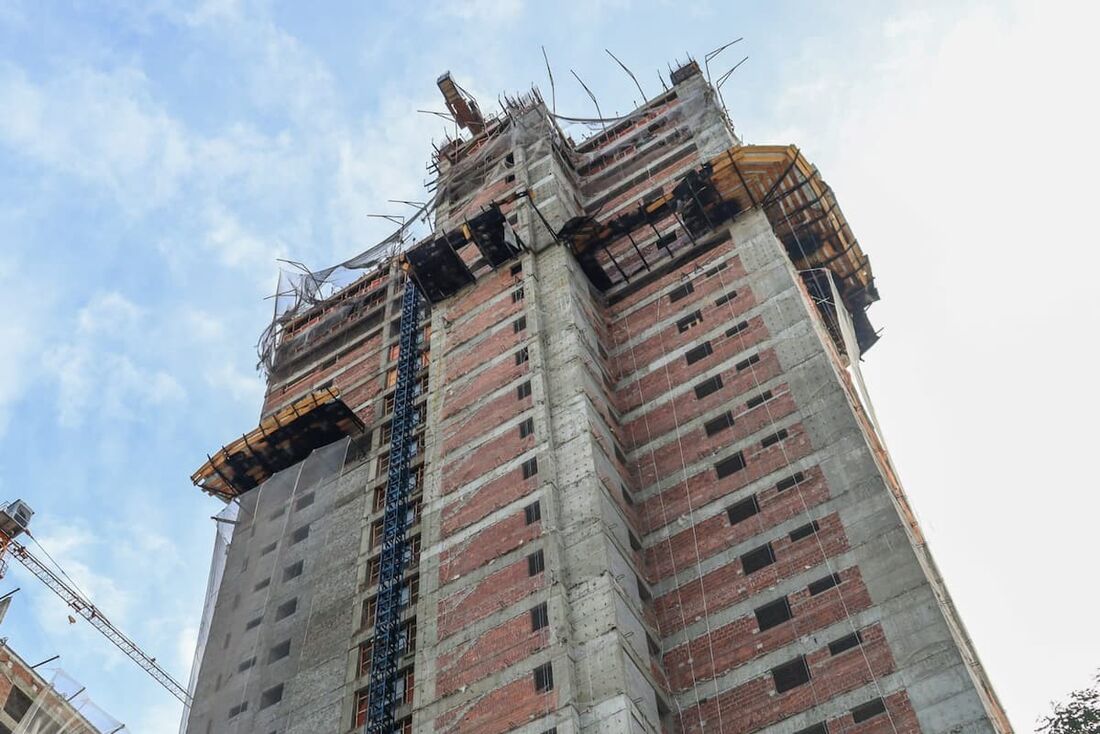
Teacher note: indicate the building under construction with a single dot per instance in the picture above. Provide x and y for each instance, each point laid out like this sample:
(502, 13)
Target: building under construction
(43, 699)
(582, 447)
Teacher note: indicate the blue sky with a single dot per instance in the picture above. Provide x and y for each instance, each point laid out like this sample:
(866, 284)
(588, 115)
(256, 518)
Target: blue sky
(157, 157)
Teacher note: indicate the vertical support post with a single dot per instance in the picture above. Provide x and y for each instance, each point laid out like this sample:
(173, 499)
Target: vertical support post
(395, 551)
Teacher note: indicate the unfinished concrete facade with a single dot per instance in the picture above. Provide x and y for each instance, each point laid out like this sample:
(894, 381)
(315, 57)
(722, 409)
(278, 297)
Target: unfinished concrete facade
(46, 701)
(647, 495)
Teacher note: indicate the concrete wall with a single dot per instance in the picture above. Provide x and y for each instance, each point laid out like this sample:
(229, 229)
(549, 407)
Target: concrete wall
(308, 514)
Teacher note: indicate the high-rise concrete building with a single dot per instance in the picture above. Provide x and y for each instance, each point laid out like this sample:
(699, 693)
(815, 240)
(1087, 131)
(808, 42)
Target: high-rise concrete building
(589, 455)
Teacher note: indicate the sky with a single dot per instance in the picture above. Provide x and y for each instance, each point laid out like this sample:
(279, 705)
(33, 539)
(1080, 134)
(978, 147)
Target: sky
(157, 157)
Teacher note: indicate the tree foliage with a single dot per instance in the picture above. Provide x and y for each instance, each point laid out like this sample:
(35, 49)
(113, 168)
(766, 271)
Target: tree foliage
(1079, 715)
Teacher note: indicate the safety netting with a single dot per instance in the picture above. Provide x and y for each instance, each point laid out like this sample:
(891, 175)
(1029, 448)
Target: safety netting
(64, 707)
(280, 496)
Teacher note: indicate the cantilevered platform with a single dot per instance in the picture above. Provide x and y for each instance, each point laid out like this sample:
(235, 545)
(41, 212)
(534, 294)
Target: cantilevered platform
(280, 441)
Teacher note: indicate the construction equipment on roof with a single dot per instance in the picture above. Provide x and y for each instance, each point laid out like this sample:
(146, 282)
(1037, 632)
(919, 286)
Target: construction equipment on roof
(462, 106)
(14, 519)
(282, 439)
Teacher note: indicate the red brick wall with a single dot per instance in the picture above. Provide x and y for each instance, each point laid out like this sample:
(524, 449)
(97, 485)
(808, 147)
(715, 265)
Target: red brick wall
(501, 409)
(898, 719)
(492, 542)
(458, 397)
(490, 454)
(479, 600)
(704, 486)
(463, 512)
(715, 534)
(501, 710)
(657, 419)
(728, 584)
(755, 704)
(733, 644)
(694, 445)
(489, 653)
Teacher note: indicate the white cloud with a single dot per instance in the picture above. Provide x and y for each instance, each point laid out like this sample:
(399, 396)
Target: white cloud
(244, 386)
(108, 313)
(480, 11)
(94, 369)
(71, 545)
(237, 247)
(18, 335)
(98, 126)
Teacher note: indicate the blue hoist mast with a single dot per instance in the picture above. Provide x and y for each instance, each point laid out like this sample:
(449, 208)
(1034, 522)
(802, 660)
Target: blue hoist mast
(387, 645)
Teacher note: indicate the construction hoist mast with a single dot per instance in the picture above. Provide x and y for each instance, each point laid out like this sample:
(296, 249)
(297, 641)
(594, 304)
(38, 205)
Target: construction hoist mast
(14, 519)
(386, 650)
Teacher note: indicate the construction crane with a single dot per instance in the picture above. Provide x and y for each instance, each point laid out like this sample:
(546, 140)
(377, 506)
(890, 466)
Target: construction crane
(14, 519)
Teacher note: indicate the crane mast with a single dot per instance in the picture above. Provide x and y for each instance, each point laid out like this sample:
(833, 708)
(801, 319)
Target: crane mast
(13, 521)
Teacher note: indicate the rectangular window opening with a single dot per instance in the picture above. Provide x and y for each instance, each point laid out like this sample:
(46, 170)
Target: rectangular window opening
(730, 465)
(758, 399)
(711, 272)
(523, 390)
(532, 513)
(804, 531)
(847, 642)
(757, 559)
(271, 696)
(517, 295)
(707, 387)
(519, 324)
(818, 728)
(725, 298)
(695, 354)
(791, 675)
(304, 501)
(530, 467)
(522, 356)
(681, 292)
(774, 438)
(737, 329)
(746, 363)
(278, 652)
(743, 510)
(824, 584)
(784, 484)
(868, 710)
(536, 563)
(526, 428)
(299, 535)
(286, 609)
(773, 614)
(544, 678)
(540, 617)
(294, 570)
(719, 424)
(689, 321)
